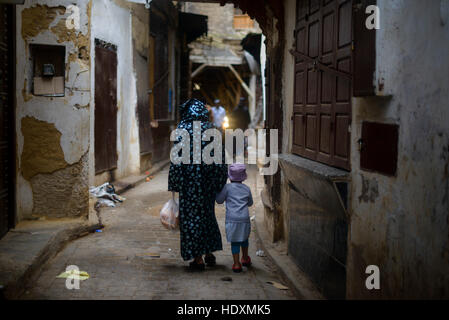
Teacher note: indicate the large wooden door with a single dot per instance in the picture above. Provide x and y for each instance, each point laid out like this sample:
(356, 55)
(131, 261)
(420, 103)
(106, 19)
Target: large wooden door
(323, 69)
(105, 106)
(7, 156)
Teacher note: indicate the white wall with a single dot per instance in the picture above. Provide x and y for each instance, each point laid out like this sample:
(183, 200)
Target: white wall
(113, 24)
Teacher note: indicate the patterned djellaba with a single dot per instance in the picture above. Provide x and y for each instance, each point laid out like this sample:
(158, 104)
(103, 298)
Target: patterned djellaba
(197, 185)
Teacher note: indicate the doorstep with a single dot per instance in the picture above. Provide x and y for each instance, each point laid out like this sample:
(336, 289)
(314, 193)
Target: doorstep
(25, 249)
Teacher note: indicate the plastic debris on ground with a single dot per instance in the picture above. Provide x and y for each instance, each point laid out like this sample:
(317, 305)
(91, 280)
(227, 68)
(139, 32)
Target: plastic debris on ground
(105, 203)
(260, 253)
(98, 230)
(106, 195)
(74, 274)
(253, 218)
(277, 285)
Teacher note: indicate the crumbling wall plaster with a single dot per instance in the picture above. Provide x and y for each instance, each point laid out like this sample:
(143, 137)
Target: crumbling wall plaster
(38, 18)
(42, 152)
(52, 132)
(65, 193)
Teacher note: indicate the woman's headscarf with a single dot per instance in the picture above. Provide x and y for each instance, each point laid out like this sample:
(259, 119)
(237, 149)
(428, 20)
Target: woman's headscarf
(194, 110)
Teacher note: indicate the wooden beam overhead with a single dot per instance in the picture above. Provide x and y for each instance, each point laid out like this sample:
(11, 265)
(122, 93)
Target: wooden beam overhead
(199, 70)
(244, 85)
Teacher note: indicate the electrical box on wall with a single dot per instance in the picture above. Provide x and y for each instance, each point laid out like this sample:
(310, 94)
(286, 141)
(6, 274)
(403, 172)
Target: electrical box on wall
(379, 147)
(48, 70)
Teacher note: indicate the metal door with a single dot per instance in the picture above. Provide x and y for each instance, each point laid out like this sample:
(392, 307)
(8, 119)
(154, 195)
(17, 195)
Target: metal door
(323, 72)
(7, 156)
(105, 106)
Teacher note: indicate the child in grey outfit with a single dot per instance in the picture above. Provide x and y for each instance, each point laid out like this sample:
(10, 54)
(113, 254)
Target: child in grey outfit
(238, 225)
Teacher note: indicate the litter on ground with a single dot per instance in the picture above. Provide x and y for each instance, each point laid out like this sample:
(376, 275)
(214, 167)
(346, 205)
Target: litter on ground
(106, 195)
(74, 274)
(277, 285)
(260, 253)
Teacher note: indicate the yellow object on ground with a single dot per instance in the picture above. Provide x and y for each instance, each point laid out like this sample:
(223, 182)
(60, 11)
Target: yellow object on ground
(74, 274)
(277, 285)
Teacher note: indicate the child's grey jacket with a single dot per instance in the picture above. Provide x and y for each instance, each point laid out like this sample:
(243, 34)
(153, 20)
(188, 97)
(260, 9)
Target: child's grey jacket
(238, 198)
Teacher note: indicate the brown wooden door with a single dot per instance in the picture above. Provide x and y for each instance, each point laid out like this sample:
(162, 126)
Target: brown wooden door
(323, 68)
(7, 156)
(105, 106)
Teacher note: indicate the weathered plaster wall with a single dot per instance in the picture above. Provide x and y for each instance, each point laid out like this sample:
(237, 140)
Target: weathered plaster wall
(141, 30)
(401, 224)
(273, 28)
(287, 97)
(398, 223)
(278, 221)
(113, 23)
(52, 133)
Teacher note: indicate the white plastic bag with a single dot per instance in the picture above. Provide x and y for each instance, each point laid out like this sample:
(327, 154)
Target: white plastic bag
(169, 214)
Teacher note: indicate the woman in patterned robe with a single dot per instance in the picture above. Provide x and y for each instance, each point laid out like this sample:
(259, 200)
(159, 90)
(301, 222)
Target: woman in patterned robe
(197, 185)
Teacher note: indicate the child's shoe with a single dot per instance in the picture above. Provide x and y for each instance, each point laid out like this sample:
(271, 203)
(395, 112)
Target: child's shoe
(247, 262)
(237, 268)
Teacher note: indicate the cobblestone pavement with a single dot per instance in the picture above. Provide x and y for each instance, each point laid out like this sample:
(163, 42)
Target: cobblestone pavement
(120, 265)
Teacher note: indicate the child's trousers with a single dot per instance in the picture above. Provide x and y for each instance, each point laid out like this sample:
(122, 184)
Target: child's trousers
(235, 246)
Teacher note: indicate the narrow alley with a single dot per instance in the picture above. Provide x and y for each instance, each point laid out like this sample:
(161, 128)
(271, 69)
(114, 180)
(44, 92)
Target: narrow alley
(339, 108)
(120, 264)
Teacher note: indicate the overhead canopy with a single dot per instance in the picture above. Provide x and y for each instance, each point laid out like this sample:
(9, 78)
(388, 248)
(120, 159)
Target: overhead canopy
(194, 25)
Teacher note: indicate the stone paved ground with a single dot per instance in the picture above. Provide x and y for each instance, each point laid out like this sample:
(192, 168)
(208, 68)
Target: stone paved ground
(120, 267)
